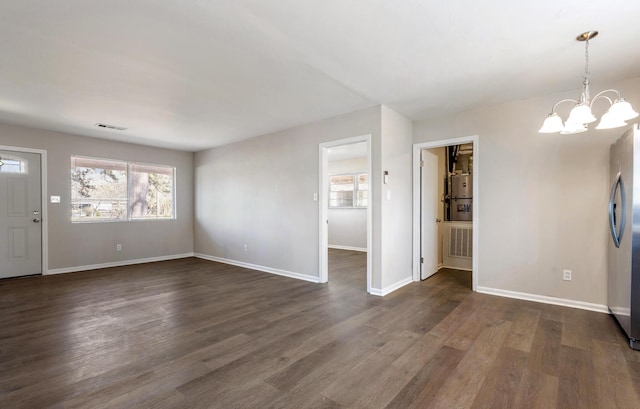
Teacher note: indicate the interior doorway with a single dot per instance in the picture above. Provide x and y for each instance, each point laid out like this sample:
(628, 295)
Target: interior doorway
(22, 210)
(344, 202)
(446, 217)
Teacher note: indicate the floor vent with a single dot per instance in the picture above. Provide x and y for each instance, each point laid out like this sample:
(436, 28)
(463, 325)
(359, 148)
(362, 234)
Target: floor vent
(457, 239)
(460, 242)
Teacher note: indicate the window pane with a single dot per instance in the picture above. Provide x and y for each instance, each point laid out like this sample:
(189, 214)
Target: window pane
(98, 189)
(152, 191)
(8, 165)
(341, 191)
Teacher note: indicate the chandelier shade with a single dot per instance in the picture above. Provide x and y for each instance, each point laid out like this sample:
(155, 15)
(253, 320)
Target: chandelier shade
(581, 114)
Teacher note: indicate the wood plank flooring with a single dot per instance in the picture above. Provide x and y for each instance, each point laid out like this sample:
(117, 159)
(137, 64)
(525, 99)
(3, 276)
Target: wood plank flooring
(197, 334)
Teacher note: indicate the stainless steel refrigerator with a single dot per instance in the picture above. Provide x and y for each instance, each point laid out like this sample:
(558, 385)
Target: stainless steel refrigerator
(624, 246)
(461, 197)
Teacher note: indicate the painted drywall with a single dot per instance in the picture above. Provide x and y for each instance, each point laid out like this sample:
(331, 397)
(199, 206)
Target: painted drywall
(85, 244)
(348, 227)
(543, 203)
(397, 134)
(259, 193)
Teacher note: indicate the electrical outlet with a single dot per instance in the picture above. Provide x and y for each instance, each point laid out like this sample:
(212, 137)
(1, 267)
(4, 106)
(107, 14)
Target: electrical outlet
(566, 275)
(246, 249)
(118, 247)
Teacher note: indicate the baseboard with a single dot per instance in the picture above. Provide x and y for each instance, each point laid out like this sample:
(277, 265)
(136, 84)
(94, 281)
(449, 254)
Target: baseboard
(250, 266)
(545, 299)
(338, 247)
(455, 268)
(117, 264)
(393, 287)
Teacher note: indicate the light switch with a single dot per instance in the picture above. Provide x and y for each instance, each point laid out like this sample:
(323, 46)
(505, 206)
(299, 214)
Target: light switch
(315, 197)
(55, 199)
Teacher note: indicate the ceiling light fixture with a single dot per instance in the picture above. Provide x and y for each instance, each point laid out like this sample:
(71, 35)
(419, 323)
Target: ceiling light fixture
(580, 116)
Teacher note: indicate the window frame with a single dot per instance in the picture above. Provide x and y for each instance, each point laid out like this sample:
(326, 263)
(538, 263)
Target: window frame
(356, 189)
(129, 165)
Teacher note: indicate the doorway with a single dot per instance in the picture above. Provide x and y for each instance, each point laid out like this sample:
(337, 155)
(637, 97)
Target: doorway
(438, 215)
(22, 211)
(345, 201)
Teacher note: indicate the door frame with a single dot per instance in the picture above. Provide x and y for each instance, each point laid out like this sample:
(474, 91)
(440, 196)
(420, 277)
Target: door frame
(417, 147)
(323, 189)
(44, 219)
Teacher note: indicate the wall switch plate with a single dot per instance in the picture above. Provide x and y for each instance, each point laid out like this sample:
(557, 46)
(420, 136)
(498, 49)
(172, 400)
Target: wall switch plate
(566, 275)
(55, 199)
(315, 197)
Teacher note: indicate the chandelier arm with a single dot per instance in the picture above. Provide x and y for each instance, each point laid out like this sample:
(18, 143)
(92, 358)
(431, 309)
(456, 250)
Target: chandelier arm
(600, 94)
(561, 101)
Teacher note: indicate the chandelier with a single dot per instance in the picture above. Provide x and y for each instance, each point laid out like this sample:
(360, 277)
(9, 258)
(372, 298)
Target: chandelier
(580, 116)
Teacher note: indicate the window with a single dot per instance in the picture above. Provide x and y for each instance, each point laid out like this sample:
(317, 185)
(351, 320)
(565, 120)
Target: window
(112, 190)
(151, 191)
(11, 165)
(349, 190)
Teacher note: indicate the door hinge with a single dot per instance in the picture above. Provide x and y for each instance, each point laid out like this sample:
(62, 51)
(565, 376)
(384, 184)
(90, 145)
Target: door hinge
(421, 260)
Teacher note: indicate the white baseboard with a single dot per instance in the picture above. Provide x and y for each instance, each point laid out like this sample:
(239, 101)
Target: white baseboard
(117, 264)
(338, 247)
(250, 266)
(393, 287)
(545, 299)
(456, 268)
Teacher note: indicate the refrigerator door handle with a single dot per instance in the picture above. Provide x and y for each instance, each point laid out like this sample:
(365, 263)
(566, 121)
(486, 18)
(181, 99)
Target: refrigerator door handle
(617, 236)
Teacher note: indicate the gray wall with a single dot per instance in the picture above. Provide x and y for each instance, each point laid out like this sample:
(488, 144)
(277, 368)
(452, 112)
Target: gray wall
(543, 197)
(396, 200)
(259, 192)
(348, 227)
(82, 244)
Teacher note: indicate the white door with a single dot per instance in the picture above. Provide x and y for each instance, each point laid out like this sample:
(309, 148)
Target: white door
(429, 214)
(20, 209)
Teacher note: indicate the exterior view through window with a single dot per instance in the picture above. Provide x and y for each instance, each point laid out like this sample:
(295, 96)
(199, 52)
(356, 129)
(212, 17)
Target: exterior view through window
(112, 190)
(348, 190)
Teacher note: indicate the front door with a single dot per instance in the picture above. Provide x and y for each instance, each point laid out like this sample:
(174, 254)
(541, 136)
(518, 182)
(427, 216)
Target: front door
(20, 210)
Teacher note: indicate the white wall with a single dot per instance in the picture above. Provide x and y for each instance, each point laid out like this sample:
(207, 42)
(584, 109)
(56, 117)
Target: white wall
(85, 244)
(397, 199)
(348, 227)
(259, 192)
(543, 196)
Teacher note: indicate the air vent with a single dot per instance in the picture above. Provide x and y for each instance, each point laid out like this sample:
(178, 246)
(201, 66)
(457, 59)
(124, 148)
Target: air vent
(107, 126)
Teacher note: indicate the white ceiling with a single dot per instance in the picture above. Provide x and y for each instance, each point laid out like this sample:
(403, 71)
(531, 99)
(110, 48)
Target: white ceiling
(194, 74)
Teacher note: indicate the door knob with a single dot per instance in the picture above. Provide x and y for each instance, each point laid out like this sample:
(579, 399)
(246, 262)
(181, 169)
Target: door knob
(36, 220)
(438, 220)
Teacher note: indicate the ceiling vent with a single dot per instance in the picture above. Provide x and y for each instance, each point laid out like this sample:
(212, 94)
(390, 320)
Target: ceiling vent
(107, 126)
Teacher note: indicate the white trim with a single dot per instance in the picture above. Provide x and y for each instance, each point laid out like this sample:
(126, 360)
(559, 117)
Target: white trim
(323, 206)
(338, 247)
(545, 299)
(117, 263)
(454, 268)
(417, 147)
(44, 216)
(391, 288)
(264, 269)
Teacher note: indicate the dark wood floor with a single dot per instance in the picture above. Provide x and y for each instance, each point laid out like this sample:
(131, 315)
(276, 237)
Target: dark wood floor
(196, 334)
